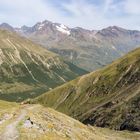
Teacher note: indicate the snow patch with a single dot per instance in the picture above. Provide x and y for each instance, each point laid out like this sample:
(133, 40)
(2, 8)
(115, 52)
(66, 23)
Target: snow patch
(113, 47)
(41, 26)
(62, 28)
(113, 29)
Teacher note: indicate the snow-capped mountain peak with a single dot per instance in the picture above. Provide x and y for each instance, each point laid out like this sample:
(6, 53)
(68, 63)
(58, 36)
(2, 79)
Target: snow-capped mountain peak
(63, 29)
(41, 26)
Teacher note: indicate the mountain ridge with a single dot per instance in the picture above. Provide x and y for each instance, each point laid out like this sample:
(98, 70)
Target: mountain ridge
(88, 49)
(108, 97)
(28, 69)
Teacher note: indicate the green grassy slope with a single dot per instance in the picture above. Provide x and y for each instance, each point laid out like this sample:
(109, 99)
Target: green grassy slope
(108, 97)
(28, 70)
(35, 122)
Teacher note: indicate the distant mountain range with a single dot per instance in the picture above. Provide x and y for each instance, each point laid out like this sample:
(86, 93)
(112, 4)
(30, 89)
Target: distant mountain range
(88, 49)
(109, 97)
(28, 70)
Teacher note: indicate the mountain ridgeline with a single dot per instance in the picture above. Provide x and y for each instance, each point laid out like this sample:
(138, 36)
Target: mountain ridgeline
(109, 97)
(28, 70)
(88, 49)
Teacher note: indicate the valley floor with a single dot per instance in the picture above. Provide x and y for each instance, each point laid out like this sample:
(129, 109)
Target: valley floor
(34, 122)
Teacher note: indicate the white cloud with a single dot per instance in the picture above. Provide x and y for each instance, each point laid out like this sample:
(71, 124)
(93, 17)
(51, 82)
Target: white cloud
(99, 16)
(80, 8)
(19, 12)
(76, 13)
(132, 6)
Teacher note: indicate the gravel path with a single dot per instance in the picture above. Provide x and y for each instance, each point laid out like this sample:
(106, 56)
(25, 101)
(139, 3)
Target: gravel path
(11, 132)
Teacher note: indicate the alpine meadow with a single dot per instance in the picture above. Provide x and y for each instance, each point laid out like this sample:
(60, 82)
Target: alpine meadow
(70, 70)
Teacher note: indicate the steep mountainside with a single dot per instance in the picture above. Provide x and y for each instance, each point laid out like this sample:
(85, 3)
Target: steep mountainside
(109, 97)
(88, 49)
(27, 69)
(34, 122)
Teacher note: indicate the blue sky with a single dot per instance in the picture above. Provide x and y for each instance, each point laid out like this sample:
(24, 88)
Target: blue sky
(90, 14)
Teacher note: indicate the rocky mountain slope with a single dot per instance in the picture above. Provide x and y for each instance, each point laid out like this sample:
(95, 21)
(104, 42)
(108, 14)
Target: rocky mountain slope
(34, 122)
(27, 69)
(109, 97)
(88, 49)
